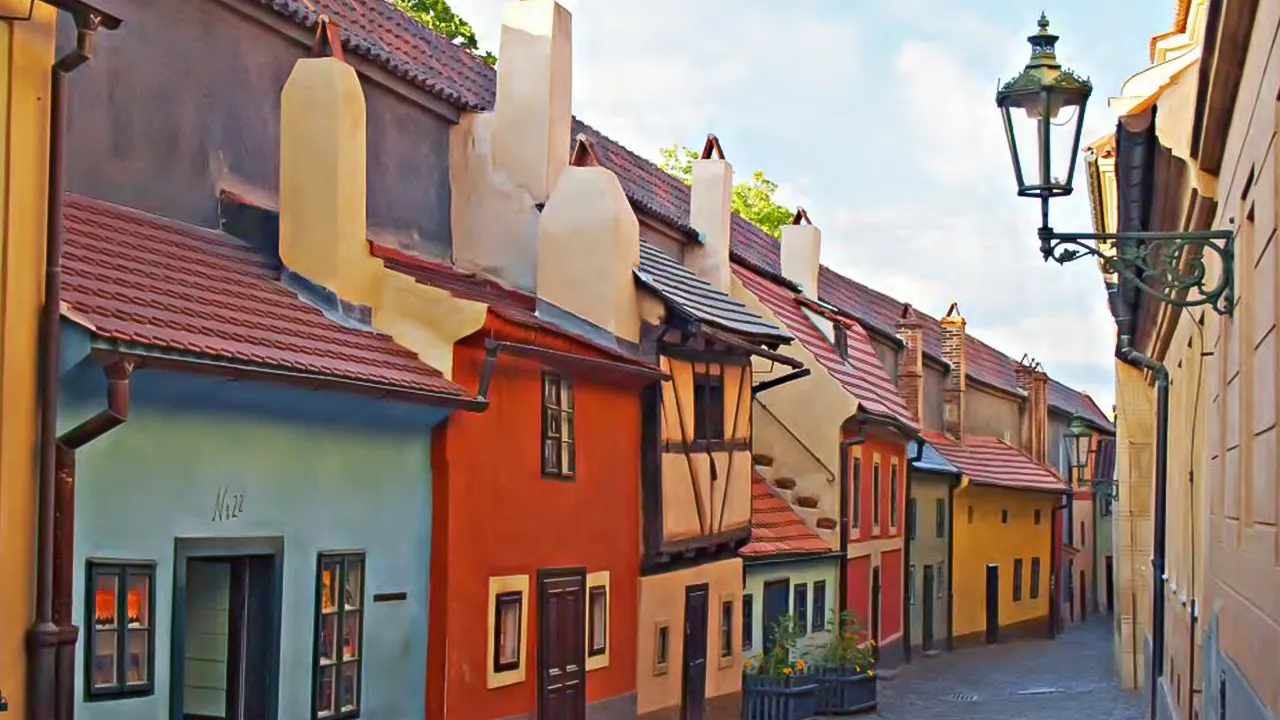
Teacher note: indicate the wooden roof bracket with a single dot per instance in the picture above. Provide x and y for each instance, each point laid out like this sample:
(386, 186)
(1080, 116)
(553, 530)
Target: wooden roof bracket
(328, 40)
(712, 145)
(584, 154)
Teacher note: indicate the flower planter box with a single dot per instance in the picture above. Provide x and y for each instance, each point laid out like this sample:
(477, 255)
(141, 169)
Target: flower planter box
(793, 697)
(843, 691)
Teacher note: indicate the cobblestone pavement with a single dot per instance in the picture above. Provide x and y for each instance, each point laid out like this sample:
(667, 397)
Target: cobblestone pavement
(1070, 678)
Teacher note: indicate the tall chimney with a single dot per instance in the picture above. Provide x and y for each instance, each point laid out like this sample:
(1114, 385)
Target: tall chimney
(953, 391)
(911, 361)
(710, 212)
(589, 247)
(535, 87)
(801, 248)
(322, 172)
(1033, 380)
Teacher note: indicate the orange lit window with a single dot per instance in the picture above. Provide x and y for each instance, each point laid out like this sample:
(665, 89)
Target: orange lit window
(339, 631)
(121, 639)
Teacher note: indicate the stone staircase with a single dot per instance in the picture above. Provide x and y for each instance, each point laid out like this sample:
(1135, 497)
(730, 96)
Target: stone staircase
(805, 505)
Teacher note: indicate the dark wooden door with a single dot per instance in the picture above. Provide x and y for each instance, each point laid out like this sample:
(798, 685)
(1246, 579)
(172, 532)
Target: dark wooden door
(777, 599)
(693, 704)
(926, 608)
(875, 611)
(1084, 599)
(993, 603)
(562, 683)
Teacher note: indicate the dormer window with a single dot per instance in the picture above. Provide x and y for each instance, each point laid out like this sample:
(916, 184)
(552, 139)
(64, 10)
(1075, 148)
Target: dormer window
(708, 407)
(841, 340)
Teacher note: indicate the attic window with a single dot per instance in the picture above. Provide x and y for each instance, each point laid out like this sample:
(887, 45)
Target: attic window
(841, 340)
(708, 407)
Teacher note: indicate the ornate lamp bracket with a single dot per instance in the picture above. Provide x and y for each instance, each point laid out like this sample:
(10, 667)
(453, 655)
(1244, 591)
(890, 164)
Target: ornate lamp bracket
(1168, 266)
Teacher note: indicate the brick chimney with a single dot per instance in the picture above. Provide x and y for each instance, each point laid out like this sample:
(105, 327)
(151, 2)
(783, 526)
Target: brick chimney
(953, 391)
(710, 212)
(322, 172)
(911, 361)
(1033, 380)
(801, 248)
(589, 247)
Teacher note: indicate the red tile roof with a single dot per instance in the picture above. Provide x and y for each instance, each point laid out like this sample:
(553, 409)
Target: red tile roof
(512, 305)
(992, 461)
(862, 374)
(1071, 401)
(776, 529)
(141, 279)
(381, 33)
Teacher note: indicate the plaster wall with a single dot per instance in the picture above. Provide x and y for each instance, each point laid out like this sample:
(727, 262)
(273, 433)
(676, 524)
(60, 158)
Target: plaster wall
(993, 415)
(1131, 521)
(887, 354)
(1082, 567)
(934, 380)
(807, 571)
(988, 540)
(812, 409)
(26, 53)
(927, 548)
(323, 471)
(1242, 587)
(221, 67)
(497, 516)
(662, 599)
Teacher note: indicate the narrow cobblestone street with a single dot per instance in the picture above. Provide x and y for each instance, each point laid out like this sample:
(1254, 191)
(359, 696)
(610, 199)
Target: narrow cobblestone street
(1071, 677)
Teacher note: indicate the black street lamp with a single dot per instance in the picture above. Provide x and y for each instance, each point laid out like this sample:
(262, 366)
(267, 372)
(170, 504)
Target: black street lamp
(1079, 449)
(1046, 101)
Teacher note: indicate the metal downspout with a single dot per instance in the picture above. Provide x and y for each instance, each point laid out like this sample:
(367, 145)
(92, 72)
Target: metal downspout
(45, 637)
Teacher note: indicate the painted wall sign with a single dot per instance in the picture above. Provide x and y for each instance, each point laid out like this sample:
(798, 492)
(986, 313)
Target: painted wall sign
(227, 505)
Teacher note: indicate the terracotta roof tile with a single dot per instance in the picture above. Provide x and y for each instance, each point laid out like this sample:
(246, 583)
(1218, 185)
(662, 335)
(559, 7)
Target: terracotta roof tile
(862, 375)
(381, 33)
(776, 529)
(141, 279)
(992, 461)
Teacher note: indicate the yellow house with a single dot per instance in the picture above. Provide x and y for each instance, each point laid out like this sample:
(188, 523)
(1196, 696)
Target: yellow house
(26, 56)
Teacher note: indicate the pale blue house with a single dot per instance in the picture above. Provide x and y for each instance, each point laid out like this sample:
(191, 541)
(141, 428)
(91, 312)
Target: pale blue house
(252, 483)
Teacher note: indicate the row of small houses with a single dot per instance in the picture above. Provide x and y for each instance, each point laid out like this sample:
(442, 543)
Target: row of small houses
(386, 388)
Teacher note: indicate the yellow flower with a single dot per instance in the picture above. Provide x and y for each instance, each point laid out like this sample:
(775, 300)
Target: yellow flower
(799, 664)
(857, 668)
(871, 672)
(786, 671)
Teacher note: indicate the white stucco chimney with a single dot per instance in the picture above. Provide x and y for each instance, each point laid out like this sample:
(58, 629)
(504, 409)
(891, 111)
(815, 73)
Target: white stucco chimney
(801, 249)
(710, 212)
(322, 172)
(589, 248)
(535, 88)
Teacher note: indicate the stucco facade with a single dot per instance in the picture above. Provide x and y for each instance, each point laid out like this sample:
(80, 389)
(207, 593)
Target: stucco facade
(818, 576)
(26, 54)
(313, 472)
(930, 560)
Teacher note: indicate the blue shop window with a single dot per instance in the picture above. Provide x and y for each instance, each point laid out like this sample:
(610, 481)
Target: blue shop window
(120, 643)
(339, 635)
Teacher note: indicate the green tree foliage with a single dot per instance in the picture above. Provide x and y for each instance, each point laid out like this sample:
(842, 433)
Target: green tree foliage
(437, 15)
(752, 200)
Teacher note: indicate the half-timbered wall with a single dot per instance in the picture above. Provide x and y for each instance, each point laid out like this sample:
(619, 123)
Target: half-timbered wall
(706, 470)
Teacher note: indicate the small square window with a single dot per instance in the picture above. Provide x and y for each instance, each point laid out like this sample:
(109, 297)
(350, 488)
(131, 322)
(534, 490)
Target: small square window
(661, 648)
(841, 339)
(819, 620)
(120, 648)
(1004, 517)
(893, 495)
(599, 621)
(940, 517)
(508, 610)
(1017, 579)
(800, 607)
(875, 494)
(557, 425)
(747, 628)
(855, 514)
(1035, 578)
(1037, 517)
(911, 518)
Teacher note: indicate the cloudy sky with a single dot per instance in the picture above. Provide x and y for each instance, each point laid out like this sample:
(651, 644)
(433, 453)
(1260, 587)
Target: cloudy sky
(878, 117)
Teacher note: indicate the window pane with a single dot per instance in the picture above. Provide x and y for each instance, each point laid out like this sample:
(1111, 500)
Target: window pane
(354, 583)
(568, 426)
(551, 455)
(599, 618)
(324, 690)
(660, 647)
(568, 394)
(104, 658)
(349, 687)
(726, 629)
(553, 422)
(106, 600)
(329, 585)
(509, 630)
(819, 620)
(328, 638)
(136, 659)
(138, 599)
(551, 390)
(350, 634)
(569, 463)
(800, 607)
